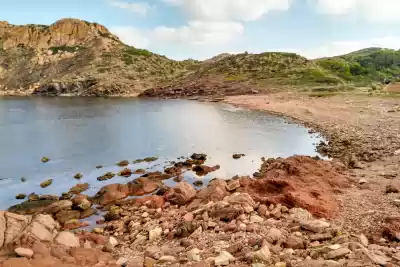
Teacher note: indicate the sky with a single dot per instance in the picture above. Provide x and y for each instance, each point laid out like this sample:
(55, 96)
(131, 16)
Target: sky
(200, 29)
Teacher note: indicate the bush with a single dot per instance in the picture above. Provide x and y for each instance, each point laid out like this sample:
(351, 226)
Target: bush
(130, 50)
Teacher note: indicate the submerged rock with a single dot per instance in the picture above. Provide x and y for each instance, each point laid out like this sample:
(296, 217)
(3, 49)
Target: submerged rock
(125, 172)
(31, 207)
(199, 156)
(99, 166)
(202, 170)
(46, 183)
(23, 179)
(67, 215)
(238, 156)
(150, 159)
(79, 188)
(78, 176)
(20, 196)
(45, 159)
(123, 163)
(106, 176)
(140, 171)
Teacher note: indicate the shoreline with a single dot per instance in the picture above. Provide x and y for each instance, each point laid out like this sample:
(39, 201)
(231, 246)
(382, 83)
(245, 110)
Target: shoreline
(244, 220)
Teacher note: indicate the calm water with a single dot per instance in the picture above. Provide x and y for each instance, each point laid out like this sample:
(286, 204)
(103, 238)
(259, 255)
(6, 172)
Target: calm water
(79, 133)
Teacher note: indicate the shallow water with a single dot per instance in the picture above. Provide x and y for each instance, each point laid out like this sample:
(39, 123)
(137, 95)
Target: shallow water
(79, 133)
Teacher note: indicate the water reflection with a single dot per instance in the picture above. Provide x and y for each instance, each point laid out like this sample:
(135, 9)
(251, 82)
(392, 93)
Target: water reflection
(79, 133)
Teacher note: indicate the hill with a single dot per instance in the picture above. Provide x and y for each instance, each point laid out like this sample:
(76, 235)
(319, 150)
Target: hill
(75, 57)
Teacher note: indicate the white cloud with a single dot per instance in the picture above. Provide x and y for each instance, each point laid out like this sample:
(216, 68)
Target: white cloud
(131, 36)
(373, 10)
(199, 33)
(140, 8)
(229, 10)
(195, 33)
(343, 47)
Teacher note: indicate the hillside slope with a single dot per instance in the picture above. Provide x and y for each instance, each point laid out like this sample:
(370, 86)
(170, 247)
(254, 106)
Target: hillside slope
(74, 57)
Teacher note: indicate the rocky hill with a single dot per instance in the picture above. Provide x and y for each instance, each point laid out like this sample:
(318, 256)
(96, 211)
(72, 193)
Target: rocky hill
(75, 57)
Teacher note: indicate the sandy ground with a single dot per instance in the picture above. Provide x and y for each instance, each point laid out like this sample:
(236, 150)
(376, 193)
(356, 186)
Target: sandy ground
(370, 125)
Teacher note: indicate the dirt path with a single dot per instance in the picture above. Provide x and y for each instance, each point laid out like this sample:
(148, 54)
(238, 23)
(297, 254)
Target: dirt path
(366, 127)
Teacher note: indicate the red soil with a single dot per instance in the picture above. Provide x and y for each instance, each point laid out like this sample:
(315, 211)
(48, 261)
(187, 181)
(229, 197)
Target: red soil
(298, 181)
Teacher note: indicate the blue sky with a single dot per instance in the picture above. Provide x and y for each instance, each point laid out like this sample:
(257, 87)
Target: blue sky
(203, 28)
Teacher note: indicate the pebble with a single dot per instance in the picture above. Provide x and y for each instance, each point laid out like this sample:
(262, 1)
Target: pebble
(338, 253)
(223, 259)
(362, 181)
(169, 259)
(122, 261)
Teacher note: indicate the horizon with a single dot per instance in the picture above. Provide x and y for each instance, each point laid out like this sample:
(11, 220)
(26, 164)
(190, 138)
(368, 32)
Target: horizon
(202, 29)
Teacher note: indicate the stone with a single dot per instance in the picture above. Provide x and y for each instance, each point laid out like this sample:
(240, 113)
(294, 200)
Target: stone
(182, 193)
(233, 185)
(242, 199)
(167, 259)
(155, 234)
(378, 259)
(280, 264)
(67, 239)
(258, 265)
(300, 214)
(188, 217)
(294, 242)
(223, 259)
(397, 152)
(58, 206)
(111, 193)
(20, 196)
(46, 183)
(315, 226)
(363, 240)
(113, 242)
(338, 253)
(256, 219)
(67, 215)
(24, 252)
(193, 255)
(149, 262)
(393, 186)
(273, 235)
(263, 255)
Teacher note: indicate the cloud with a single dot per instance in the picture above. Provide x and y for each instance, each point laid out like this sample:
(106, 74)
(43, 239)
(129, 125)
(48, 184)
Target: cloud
(131, 36)
(372, 10)
(343, 47)
(140, 8)
(195, 33)
(229, 10)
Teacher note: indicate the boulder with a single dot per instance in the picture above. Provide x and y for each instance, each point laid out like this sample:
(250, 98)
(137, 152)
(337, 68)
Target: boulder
(182, 193)
(315, 226)
(58, 206)
(111, 193)
(67, 215)
(294, 242)
(31, 207)
(67, 239)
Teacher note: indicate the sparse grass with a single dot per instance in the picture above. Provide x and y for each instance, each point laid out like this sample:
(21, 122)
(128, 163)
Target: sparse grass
(130, 50)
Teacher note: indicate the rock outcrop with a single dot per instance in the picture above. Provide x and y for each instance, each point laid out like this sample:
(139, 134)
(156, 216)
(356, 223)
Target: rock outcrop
(65, 32)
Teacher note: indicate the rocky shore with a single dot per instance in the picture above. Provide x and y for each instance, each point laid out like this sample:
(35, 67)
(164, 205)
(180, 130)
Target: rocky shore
(296, 211)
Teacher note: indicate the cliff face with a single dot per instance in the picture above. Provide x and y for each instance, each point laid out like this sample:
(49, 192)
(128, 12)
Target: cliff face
(75, 57)
(66, 32)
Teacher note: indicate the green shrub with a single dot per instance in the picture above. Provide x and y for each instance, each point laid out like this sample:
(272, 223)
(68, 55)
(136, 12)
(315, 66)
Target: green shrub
(130, 50)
